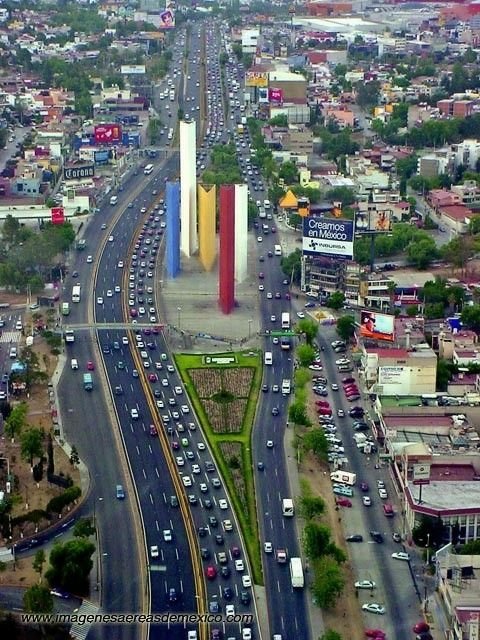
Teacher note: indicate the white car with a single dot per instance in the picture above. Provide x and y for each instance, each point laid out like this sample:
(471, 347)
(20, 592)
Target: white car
(270, 444)
(273, 318)
(89, 259)
(342, 361)
(134, 414)
(223, 504)
(109, 293)
(367, 501)
(259, 239)
(196, 468)
(187, 481)
(300, 315)
(269, 295)
(164, 382)
(201, 446)
(167, 535)
(373, 607)
(154, 551)
(178, 390)
(268, 547)
(120, 264)
(261, 287)
(184, 409)
(246, 633)
(246, 581)
(117, 288)
(230, 610)
(239, 566)
(365, 584)
(110, 238)
(383, 494)
(99, 300)
(125, 340)
(180, 462)
(203, 487)
(160, 404)
(227, 525)
(401, 555)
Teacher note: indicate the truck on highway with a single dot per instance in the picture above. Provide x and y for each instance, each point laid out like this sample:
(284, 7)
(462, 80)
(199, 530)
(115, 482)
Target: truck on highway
(171, 95)
(286, 386)
(344, 477)
(65, 309)
(69, 336)
(296, 573)
(87, 381)
(285, 320)
(288, 509)
(268, 358)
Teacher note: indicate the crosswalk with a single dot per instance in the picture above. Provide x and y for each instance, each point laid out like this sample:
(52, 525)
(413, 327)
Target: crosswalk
(80, 631)
(11, 336)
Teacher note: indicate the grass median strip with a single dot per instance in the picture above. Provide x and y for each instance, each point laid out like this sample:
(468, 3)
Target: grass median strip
(224, 391)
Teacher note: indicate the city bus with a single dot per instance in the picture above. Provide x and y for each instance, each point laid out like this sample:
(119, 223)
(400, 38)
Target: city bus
(148, 169)
(76, 293)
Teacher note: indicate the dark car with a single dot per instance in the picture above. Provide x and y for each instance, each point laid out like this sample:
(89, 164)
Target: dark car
(212, 521)
(225, 572)
(227, 593)
(202, 532)
(377, 536)
(173, 501)
(245, 597)
(172, 595)
(356, 537)
(219, 539)
(205, 553)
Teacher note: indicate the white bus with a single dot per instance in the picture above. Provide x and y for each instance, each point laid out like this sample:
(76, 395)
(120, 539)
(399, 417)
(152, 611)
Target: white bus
(148, 169)
(76, 293)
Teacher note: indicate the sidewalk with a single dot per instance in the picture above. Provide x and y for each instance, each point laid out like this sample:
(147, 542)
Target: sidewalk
(317, 625)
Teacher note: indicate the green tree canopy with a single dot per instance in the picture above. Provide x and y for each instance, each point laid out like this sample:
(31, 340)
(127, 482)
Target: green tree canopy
(305, 354)
(346, 327)
(38, 599)
(32, 444)
(328, 583)
(316, 540)
(309, 328)
(311, 506)
(336, 300)
(70, 565)
(315, 441)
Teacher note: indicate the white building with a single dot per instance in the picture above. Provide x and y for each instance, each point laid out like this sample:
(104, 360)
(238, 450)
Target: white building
(250, 40)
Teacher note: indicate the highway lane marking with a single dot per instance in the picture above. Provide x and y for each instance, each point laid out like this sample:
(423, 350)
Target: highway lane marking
(156, 471)
(138, 450)
(279, 590)
(131, 428)
(157, 525)
(144, 474)
(151, 498)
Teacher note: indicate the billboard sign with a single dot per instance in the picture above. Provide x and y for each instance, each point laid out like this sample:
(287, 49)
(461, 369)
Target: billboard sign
(58, 215)
(328, 237)
(101, 157)
(373, 221)
(377, 326)
(256, 79)
(275, 95)
(263, 95)
(107, 133)
(77, 173)
(167, 19)
(421, 474)
(132, 69)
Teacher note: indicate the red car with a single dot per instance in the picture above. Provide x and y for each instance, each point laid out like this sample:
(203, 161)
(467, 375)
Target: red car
(348, 380)
(322, 403)
(350, 390)
(152, 377)
(344, 502)
(324, 411)
(153, 430)
(378, 634)
(351, 385)
(211, 573)
(421, 627)
(175, 445)
(90, 366)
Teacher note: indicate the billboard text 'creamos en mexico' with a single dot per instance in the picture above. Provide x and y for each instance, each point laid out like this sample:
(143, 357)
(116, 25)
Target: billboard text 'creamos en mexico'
(377, 326)
(328, 237)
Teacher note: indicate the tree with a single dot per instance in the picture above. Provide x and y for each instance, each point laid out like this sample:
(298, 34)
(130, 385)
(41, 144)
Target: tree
(289, 172)
(471, 317)
(32, 444)
(74, 457)
(16, 420)
(316, 540)
(311, 506)
(83, 528)
(297, 413)
(316, 442)
(70, 565)
(336, 300)
(367, 93)
(38, 562)
(346, 327)
(421, 253)
(330, 634)
(38, 599)
(329, 582)
(345, 195)
(307, 327)
(305, 354)
(445, 370)
(302, 377)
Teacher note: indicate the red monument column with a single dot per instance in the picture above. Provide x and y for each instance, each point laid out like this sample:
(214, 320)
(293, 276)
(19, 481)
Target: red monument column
(226, 263)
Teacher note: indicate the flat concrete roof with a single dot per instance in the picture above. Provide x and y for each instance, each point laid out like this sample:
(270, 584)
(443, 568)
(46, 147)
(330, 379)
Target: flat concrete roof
(448, 496)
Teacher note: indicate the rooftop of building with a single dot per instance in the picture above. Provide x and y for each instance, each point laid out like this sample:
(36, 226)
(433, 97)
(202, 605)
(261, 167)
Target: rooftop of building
(416, 420)
(388, 402)
(456, 212)
(463, 379)
(453, 472)
(448, 495)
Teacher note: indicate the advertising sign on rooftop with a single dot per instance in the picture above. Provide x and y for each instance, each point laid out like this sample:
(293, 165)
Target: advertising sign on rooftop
(77, 173)
(107, 133)
(58, 215)
(132, 69)
(275, 95)
(377, 326)
(328, 237)
(256, 79)
(373, 221)
(167, 19)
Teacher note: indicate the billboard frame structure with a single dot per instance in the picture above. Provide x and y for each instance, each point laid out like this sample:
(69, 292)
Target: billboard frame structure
(328, 237)
(370, 321)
